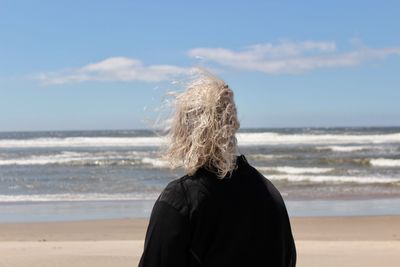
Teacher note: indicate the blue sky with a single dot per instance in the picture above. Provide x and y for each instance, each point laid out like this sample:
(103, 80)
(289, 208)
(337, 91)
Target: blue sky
(69, 65)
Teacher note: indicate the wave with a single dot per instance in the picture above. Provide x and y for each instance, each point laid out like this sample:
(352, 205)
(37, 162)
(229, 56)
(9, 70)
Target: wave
(334, 179)
(378, 162)
(382, 162)
(270, 138)
(294, 170)
(155, 162)
(352, 161)
(82, 142)
(244, 139)
(345, 148)
(88, 159)
(61, 158)
(77, 197)
(264, 156)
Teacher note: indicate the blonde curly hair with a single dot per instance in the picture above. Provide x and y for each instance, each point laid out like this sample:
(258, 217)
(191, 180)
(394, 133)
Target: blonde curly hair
(203, 126)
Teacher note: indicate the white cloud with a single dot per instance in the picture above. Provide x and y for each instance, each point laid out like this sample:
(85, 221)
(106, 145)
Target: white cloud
(113, 69)
(292, 57)
(283, 57)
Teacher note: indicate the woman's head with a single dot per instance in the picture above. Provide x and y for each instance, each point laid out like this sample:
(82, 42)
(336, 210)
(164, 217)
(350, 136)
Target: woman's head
(203, 126)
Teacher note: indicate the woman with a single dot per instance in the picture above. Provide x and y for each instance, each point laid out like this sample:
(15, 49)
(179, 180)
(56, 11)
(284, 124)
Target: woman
(223, 212)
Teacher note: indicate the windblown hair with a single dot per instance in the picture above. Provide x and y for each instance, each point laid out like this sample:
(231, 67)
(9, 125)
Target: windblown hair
(203, 126)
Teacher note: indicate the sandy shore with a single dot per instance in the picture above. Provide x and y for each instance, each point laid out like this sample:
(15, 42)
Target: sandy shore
(321, 241)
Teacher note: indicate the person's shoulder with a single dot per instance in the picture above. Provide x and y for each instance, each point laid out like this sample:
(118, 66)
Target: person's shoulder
(271, 188)
(185, 193)
(175, 194)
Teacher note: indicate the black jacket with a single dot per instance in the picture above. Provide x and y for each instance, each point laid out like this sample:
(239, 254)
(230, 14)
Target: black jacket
(202, 221)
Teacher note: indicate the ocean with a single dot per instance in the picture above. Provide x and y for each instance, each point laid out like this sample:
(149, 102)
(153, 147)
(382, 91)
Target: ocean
(69, 175)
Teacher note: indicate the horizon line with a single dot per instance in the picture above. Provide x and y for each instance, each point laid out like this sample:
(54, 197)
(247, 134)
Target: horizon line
(242, 128)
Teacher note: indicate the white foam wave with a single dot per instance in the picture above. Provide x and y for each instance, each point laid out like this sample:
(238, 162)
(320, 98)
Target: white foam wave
(345, 148)
(294, 170)
(155, 162)
(382, 162)
(333, 178)
(270, 138)
(244, 139)
(77, 197)
(61, 158)
(82, 142)
(264, 156)
(86, 158)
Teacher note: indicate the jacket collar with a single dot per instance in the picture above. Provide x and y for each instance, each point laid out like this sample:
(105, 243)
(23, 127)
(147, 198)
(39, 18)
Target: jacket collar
(241, 162)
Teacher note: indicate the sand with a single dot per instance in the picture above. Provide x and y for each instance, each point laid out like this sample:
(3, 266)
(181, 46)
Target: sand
(320, 241)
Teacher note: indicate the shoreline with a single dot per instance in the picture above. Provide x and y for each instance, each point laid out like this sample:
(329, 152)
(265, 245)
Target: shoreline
(328, 228)
(14, 212)
(333, 241)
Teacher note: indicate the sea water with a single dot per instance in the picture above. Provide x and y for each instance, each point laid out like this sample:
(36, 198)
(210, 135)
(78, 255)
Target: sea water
(68, 175)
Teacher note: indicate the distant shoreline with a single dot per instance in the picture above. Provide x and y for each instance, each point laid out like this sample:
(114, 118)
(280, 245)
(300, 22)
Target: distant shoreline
(55, 211)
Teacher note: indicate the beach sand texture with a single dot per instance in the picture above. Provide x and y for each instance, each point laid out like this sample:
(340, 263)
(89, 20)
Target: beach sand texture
(321, 241)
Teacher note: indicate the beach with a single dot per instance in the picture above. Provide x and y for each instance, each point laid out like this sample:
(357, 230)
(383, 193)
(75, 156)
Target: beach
(320, 241)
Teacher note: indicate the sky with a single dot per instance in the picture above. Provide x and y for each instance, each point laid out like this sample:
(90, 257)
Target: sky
(86, 65)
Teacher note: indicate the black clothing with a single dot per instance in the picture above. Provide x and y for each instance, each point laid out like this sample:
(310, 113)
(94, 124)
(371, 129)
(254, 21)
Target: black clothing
(201, 221)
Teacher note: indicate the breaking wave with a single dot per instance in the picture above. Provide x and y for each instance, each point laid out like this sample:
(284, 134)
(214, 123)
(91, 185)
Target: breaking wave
(87, 159)
(382, 162)
(245, 139)
(77, 197)
(334, 179)
(294, 170)
(270, 138)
